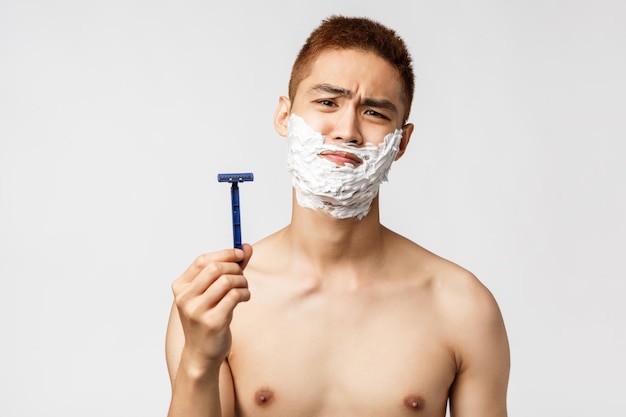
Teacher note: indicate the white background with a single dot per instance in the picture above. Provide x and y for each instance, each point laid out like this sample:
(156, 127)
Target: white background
(116, 116)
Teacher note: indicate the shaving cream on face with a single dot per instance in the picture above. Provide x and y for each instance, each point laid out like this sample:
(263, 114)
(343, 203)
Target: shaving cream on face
(343, 191)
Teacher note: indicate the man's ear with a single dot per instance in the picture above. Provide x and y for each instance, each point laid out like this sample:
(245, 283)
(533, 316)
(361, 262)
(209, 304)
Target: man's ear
(407, 130)
(281, 115)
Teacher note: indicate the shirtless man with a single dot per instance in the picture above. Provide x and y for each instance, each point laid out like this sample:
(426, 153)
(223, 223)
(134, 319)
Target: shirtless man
(346, 318)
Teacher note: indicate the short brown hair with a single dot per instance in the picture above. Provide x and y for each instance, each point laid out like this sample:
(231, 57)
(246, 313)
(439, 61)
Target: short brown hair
(340, 32)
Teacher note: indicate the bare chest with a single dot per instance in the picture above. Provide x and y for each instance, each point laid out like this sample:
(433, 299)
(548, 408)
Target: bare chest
(345, 356)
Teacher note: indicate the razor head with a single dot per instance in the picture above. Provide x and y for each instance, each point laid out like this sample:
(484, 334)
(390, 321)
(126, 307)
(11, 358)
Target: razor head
(241, 177)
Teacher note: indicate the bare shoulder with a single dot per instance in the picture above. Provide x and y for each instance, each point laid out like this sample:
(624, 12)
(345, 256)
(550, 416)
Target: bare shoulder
(463, 296)
(466, 307)
(455, 289)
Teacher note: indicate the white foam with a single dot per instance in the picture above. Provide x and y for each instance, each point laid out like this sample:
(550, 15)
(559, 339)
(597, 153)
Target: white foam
(343, 191)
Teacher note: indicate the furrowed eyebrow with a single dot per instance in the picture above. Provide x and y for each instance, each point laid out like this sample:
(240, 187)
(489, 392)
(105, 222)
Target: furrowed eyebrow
(381, 104)
(331, 89)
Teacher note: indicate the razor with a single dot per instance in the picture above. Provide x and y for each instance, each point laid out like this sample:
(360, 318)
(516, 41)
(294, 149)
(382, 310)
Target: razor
(234, 180)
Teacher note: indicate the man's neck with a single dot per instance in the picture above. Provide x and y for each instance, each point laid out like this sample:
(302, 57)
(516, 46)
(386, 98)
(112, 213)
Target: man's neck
(324, 243)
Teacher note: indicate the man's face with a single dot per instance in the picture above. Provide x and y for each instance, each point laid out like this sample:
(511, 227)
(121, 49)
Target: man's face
(344, 129)
(352, 97)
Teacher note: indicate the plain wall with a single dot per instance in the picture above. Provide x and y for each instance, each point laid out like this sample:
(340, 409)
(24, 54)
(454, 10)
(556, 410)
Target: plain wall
(116, 116)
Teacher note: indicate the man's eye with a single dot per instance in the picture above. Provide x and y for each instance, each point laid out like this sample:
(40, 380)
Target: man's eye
(374, 113)
(326, 103)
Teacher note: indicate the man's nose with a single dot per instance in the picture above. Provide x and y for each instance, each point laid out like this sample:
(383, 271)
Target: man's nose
(345, 128)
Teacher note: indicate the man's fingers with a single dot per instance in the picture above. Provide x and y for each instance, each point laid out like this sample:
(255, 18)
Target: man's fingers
(210, 285)
(219, 299)
(229, 301)
(202, 261)
(223, 286)
(203, 280)
(213, 284)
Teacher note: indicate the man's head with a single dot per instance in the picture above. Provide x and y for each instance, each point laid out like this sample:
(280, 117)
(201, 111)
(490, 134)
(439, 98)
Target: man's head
(346, 116)
(362, 34)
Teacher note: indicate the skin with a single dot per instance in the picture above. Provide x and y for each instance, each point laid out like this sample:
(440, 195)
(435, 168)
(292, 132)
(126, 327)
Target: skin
(346, 317)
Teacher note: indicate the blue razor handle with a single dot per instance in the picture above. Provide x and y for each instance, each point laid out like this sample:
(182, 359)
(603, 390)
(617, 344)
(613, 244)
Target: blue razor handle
(234, 180)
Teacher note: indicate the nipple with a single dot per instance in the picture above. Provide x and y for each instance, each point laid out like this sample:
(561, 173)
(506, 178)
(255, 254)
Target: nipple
(263, 397)
(414, 402)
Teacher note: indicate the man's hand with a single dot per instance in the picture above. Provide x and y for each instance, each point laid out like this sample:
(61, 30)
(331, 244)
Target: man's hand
(205, 296)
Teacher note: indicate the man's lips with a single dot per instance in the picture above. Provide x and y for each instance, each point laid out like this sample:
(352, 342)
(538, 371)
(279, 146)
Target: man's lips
(342, 158)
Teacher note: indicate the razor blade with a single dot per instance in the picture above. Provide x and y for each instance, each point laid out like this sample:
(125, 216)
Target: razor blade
(248, 176)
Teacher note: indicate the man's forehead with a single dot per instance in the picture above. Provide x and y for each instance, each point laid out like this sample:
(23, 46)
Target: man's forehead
(350, 68)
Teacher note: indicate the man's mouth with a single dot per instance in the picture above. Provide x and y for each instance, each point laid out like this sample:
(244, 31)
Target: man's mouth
(342, 158)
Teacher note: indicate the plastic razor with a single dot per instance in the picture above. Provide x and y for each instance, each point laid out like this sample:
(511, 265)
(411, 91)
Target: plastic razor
(234, 180)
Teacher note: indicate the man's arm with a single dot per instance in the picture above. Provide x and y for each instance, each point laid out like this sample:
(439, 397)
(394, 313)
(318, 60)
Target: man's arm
(483, 360)
(198, 334)
(194, 391)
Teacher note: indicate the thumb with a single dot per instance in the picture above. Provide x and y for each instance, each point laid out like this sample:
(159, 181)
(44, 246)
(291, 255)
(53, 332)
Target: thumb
(247, 254)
